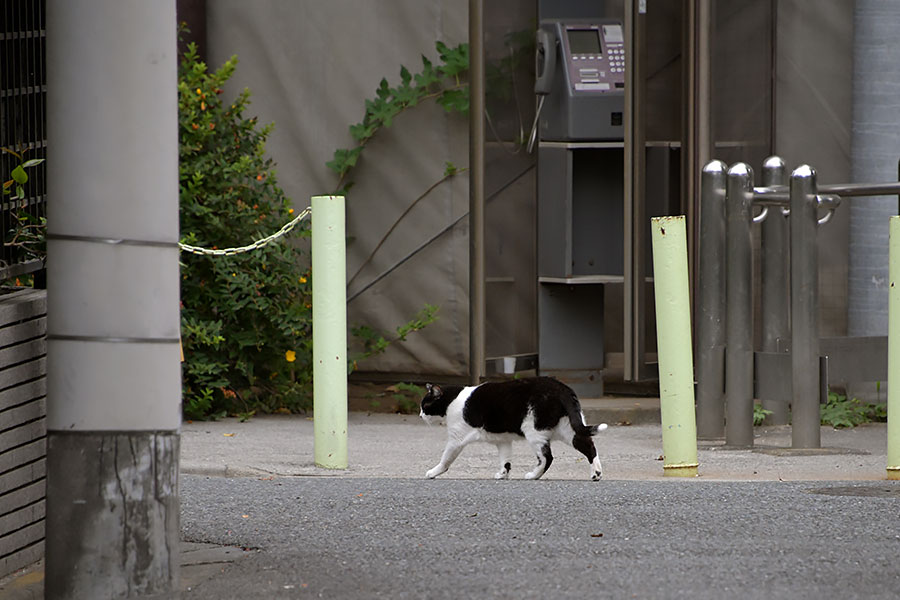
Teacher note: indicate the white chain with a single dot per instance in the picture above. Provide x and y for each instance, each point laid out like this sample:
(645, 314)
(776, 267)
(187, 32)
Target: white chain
(257, 244)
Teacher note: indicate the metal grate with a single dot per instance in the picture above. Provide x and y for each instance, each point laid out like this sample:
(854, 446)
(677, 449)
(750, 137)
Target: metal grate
(23, 109)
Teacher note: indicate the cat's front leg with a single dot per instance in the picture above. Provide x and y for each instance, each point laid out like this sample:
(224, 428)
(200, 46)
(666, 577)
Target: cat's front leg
(504, 449)
(436, 470)
(451, 451)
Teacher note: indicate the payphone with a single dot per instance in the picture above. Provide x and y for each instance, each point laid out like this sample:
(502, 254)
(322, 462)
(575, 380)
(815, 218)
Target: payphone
(579, 126)
(582, 87)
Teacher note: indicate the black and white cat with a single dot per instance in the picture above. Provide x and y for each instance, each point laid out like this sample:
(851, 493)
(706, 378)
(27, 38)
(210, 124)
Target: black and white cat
(540, 409)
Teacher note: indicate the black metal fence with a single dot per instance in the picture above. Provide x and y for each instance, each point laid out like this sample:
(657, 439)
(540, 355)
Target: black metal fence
(23, 137)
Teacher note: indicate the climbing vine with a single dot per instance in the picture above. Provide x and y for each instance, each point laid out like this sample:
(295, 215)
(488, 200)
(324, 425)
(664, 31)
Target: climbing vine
(445, 83)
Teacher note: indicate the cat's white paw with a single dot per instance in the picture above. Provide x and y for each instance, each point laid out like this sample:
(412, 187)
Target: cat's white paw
(596, 476)
(432, 473)
(504, 474)
(533, 475)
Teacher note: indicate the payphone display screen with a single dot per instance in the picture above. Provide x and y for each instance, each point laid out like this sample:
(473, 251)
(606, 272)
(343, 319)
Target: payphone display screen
(584, 41)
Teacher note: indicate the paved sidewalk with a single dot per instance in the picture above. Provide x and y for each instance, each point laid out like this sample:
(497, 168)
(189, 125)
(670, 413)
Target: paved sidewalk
(403, 446)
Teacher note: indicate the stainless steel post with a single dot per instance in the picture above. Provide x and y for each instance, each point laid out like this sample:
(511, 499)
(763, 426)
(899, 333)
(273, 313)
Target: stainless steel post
(804, 310)
(634, 295)
(774, 279)
(476, 193)
(711, 313)
(739, 307)
(697, 116)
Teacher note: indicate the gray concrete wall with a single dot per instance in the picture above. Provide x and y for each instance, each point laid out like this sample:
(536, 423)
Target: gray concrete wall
(814, 69)
(310, 66)
(875, 153)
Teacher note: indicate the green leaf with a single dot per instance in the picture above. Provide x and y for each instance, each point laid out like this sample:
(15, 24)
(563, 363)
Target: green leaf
(384, 112)
(384, 90)
(19, 175)
(428, 76)
(407, 95)
(33, 162)
(456, 60)
(455, 100)
(362, 131)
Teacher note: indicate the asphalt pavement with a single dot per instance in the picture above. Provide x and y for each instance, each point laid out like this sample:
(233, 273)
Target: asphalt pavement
(260, 520)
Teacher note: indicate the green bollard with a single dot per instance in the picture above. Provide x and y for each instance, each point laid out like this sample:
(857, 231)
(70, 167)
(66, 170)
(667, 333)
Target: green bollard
(329, 309)
(673, 335)
(893, 393)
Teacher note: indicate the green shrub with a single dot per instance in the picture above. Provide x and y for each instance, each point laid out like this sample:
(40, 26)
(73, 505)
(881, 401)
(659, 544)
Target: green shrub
(246, 319)
(841, 411)
(760, 413)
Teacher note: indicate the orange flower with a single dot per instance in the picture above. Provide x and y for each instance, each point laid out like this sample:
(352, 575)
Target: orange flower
(259, 177)
(290, 356)
(212, 125)
(194, 126)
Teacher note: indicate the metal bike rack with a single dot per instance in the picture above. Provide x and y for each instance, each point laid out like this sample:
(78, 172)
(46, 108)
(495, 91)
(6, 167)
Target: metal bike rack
(795, 364)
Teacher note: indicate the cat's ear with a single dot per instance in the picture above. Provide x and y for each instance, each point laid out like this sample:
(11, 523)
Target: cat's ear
(433, 390)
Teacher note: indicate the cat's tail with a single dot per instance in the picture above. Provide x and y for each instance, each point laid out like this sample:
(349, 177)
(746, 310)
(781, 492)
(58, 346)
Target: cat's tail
(595, 429)
(576, 419)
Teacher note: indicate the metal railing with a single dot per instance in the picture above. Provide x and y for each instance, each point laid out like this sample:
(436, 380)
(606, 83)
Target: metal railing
(23, 102)
(793, 365)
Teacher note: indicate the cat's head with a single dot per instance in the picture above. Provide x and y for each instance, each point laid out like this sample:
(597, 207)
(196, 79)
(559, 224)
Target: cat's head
(434, 406)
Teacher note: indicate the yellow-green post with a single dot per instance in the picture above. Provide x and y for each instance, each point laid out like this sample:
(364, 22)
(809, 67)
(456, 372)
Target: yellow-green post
(673, 335)
(893, 393)
(329, 307)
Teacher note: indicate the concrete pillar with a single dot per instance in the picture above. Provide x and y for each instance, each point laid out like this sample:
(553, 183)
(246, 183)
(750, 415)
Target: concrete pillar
(114, 382)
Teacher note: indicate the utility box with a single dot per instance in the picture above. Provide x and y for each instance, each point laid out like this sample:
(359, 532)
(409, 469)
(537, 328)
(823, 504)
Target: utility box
(580, 81)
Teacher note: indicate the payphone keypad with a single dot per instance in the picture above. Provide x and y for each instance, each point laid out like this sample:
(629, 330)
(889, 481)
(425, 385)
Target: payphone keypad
(595, 57)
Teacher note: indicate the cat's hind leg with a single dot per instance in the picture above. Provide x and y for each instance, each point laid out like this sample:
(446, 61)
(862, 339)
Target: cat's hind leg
(585, 445)
(504, 450)
(541, 446)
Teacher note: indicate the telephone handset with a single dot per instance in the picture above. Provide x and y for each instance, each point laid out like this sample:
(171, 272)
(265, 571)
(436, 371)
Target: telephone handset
(545, 71)
(545, 62)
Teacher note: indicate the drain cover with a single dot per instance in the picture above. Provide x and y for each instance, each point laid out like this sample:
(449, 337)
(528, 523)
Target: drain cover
(867, 491)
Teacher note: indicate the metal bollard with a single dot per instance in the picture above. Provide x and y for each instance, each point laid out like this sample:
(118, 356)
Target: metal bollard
(893, 393)
(329, 308)
(673, 334)
(739, 308)
(711, 312)
(774, 279)
(805, 384)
